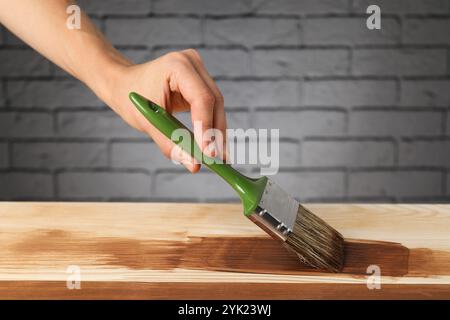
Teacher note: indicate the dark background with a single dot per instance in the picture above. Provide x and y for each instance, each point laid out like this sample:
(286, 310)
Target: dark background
(364, 114)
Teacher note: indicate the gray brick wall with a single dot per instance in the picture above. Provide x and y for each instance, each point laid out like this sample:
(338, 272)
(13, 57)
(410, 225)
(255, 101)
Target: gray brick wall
(364, 114)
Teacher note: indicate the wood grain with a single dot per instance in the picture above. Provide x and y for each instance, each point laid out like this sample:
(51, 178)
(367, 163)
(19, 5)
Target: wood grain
(208, 251)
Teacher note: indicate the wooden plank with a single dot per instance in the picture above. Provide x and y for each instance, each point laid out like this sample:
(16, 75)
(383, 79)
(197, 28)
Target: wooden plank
(199, 251)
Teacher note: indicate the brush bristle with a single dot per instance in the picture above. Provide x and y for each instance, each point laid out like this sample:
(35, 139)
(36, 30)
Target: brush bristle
(316, 242)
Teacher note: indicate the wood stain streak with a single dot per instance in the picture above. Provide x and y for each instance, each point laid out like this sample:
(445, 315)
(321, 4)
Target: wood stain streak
(425, 262)
(200, 291)
(235, 254)
(129, 290)
(130, 253)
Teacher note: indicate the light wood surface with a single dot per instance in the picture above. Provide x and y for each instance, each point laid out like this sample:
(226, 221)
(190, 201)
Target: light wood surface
(208, 251)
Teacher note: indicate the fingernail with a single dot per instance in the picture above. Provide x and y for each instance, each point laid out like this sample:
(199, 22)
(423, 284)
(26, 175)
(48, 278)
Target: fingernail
(210, 149)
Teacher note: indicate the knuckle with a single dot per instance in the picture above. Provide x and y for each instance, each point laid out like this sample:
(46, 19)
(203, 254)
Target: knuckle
(207, 98)
(220, 99)
(176, 57)
(194, 53)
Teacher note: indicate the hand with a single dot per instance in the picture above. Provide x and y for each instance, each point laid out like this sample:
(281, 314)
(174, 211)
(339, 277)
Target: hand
(177, 81)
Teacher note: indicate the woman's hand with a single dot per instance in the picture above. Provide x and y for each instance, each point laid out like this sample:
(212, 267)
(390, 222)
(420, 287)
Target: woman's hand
(177, 81)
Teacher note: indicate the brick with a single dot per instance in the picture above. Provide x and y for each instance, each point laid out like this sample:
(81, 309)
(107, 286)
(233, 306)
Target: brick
(349, 93)
(448, 124)
(59, 155)
(220, 62)
(154, 31)
(111, 7)
(289, 155)
(404, 6)
(395, 123)
(25, 186)
(105, 185)
(425, 153)
(337, 153)
(296, 124)
(139, 155)
(403, 184)
(96, 124)
(2, 96)
(260, 93)
(4, 155)
(448, 184)
(30, 124)
(425, 93)
(186, 186)
(312, 185)
(303, 6)
(252, 32)
(226, 63)
(137, 55)
(59, 72)
(286, 157)
(51, 94)
(237, 119)
(406, 62)
(304, 62)
(349, 31)
(426, 31)
(199, 7)
(23, 62)
(11, 39)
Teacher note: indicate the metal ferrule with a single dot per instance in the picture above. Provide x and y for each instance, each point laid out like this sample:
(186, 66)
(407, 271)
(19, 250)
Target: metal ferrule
(270, 224)
(276, 212)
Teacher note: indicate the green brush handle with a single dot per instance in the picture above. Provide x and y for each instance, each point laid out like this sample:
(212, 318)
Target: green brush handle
(249, 190)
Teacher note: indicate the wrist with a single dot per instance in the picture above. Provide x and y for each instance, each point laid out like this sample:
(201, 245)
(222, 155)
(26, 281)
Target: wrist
(103, 79)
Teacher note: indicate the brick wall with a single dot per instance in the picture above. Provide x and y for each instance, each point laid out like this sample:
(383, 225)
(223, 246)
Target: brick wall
(364, 115)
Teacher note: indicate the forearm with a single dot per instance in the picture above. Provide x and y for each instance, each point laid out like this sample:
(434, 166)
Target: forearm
(84, 52)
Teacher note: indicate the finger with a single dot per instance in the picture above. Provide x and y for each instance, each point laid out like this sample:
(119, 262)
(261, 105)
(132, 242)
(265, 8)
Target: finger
(179, 156)
(219, 117)
(198, 94)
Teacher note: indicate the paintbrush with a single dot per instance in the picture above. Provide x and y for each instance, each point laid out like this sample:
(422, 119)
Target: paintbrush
(314, 241)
